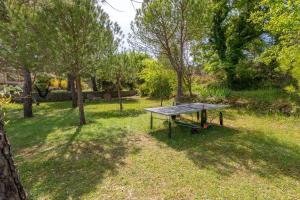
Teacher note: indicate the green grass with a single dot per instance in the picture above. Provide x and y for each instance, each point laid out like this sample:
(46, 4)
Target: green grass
(116, 156)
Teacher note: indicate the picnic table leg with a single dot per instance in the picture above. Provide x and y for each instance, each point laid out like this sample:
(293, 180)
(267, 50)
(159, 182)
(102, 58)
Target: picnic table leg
(221, 118)
(151, 121)
(170, 128)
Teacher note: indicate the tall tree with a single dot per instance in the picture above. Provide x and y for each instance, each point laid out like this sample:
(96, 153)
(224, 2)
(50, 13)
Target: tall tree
(170, 27)
(122, 70)
(19, 42)
(76, 30)
(232, 31)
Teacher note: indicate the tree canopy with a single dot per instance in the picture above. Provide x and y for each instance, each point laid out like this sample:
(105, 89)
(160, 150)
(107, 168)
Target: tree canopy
(281, 20)
(170, 27)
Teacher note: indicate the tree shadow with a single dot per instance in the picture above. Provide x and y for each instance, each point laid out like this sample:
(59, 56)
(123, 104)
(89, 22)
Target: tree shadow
(34, 131)
(75, 168)
(227, 151)
(125, 100)
(115, 113)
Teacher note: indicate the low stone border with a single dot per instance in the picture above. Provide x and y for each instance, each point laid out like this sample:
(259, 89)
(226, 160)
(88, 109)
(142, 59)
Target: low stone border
(67, 96)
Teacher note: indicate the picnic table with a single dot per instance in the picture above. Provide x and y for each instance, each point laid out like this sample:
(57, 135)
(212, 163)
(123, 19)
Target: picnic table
(172, 112)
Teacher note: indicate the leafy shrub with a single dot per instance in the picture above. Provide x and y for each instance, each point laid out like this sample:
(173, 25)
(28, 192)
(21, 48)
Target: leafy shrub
(143, 90)
(158, 81)
(42, 81)
(64, 84)
(212, 93)
(268, 100)
(59, 83)
(10, 90)
(55, 83)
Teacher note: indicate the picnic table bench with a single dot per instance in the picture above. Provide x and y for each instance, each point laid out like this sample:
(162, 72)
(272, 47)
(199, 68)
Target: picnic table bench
(172, 112)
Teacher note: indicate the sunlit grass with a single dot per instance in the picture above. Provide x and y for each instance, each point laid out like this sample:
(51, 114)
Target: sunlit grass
(116, 156)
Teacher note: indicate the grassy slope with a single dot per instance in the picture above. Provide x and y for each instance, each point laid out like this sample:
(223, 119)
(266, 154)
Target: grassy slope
(115, 156)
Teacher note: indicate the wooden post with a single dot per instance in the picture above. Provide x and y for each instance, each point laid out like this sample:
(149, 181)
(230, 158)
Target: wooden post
(151, 121)
(170, 130)
(221, 119)
(198, 116)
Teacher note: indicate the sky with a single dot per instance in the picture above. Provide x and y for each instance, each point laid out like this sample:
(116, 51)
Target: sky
(123, 12)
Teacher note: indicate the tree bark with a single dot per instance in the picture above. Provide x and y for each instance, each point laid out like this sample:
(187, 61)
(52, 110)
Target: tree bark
(190, 89)
(73, 91)
(27, 98)
(94, 83)
(187, 80)
(69, 82)
(80, 102)
(179, 86)
(119, 94)
(10, 184)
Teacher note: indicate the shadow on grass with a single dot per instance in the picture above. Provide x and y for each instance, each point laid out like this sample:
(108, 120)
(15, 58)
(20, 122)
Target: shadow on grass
(116, 113)
(77, 166)
(34, 131)
(125, 100)
(227, 151)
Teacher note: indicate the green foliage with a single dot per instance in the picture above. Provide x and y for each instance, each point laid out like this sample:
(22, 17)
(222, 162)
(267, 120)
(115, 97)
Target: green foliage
(267, 100)
(158, 82)
(171, 28)
(281, 19)
(42, 80)
(121, 69)
(10, 90)
(212, 93)
(6, 93)
(233, 42)
(78, 34)
(19, 36)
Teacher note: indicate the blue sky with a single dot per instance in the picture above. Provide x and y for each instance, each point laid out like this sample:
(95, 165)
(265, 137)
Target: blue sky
(125, 14)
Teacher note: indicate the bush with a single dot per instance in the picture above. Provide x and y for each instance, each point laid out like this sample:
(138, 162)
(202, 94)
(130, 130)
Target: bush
(42, 81)
(143, 90)
(10, 90)
(158, 81)
(212, 93)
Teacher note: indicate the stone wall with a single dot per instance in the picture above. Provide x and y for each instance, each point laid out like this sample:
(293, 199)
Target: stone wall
(66, 96)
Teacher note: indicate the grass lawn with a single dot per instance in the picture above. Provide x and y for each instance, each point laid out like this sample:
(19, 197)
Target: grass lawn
(116, 156)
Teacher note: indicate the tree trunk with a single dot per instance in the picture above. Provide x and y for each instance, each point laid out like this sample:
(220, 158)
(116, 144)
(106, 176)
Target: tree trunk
(27, 98)
(10, 184)
(73, 91)
(190, 89)
(94, 83)
(120, 95)
(69, 82)
(80, 102)
(179, 86)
